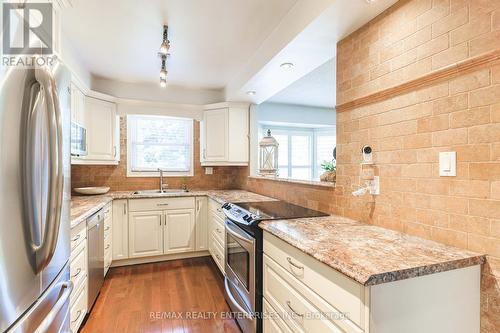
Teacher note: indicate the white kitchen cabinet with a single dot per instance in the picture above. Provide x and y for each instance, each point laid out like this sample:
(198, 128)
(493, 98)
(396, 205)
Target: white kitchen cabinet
(120, 229)
(216, 233)
(77, 105)
(201, 224)
(298, 288)
(216, 147)
(100, 118)
(179, 231)
(78, 270)
(108, 237)
(224, 135)
(145, 234)
(156, 226)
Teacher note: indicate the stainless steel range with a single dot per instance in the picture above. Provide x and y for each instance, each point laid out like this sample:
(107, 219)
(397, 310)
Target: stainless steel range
(243, 253)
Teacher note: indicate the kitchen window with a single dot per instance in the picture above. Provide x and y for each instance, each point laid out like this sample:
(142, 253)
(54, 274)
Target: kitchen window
(301, 151)
(159, 142)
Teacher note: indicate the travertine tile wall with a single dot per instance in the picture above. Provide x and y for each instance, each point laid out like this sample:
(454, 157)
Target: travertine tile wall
(116, 176)
(413, 38)
(408, 131)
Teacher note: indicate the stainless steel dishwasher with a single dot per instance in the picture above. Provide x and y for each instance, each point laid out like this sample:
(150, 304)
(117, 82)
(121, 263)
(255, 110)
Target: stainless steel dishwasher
(95, 234)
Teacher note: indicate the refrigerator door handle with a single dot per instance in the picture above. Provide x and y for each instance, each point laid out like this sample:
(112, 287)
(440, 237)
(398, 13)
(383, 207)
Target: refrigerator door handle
(45, 96)
(49, 319)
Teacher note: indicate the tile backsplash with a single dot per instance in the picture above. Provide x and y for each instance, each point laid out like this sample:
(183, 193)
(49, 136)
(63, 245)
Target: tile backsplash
(407, 131)
(116, 176)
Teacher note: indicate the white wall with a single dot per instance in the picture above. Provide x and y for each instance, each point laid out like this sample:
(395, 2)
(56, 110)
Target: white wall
(296, 114)
(73, 62)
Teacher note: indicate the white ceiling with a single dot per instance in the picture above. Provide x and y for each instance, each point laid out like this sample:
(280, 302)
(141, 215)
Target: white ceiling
(314, 45)
(229, 45)
(210, 39)
(314, 89)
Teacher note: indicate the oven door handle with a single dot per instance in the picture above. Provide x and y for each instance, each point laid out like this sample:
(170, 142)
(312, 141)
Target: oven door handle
(238, 307)
(234, 232)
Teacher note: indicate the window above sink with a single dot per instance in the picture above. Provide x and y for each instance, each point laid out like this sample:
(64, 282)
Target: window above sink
(159, 142)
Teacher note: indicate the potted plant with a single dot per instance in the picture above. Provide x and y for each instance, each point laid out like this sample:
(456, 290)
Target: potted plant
(330, 172)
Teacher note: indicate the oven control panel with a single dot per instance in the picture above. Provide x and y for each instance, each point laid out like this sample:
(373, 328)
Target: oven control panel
(238, 214)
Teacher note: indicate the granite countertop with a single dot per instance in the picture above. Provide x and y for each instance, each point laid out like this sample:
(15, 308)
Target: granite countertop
(83, 207)
(369, 254)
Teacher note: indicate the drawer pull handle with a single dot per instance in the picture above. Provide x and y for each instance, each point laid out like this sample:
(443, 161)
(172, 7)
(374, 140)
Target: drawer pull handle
(218, 230)
(77, 316)
(107, 228)
(76, 238)
(106, 212)
(78, 271)
(162, 204)
(289, 304)
(219, 210)
(294, 264)
(218, 257)
(107, 247)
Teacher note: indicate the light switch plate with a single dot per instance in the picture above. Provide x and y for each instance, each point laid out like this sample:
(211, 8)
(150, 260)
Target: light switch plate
(209, 171)
(448, 164)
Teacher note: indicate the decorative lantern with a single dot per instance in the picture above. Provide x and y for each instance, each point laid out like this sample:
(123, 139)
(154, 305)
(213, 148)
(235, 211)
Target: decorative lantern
(268, 155)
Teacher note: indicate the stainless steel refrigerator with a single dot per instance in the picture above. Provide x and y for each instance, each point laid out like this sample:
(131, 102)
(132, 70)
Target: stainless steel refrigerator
(35, 200)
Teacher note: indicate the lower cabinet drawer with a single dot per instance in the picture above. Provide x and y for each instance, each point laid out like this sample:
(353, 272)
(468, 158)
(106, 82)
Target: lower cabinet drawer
(78, 268)
(217, 252)
(108, 258)
(299, 307)
(78, 310)
(216, 208)
(108, 245)
(78, 235)
(108, 212)
(339, 291)
(107, 228)
(272, 323)
(218, 230)
(160, 204)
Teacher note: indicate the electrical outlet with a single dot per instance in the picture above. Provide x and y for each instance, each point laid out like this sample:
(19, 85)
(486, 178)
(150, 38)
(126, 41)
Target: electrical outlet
(209, 171)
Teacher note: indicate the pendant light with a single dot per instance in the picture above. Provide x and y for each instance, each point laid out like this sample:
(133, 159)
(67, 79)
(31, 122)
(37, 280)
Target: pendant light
(165, 45)
(163, 54)
(163, 72)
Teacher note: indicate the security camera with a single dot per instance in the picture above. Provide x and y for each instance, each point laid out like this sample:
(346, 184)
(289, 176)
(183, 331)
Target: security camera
(366, 151)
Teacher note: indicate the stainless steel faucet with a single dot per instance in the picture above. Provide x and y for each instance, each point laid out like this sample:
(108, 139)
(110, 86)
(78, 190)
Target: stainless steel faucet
(162, 185)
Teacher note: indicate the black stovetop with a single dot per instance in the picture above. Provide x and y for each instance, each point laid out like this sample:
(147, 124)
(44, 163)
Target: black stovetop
(277, 210)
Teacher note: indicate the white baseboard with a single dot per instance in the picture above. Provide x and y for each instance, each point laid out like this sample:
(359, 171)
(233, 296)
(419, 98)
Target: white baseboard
(136, 261)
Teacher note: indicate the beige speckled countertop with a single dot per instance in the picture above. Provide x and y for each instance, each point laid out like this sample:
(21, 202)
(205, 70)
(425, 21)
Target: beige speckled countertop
(83, 207)
(369, 254)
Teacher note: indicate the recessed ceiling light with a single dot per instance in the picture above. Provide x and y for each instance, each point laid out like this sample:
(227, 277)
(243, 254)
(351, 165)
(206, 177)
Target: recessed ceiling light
(286, 65)
(251, 92)
(370, 1)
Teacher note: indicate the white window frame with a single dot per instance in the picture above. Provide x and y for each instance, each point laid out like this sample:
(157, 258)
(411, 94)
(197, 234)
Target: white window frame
(313, 133)
(131, 173)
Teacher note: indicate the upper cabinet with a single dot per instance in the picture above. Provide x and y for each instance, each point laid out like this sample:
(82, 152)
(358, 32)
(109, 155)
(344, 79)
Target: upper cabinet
(224, 134)
(99, 118)
(77, 105)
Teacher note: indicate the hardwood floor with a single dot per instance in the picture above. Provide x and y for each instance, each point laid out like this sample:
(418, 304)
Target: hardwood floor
(140, 298)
